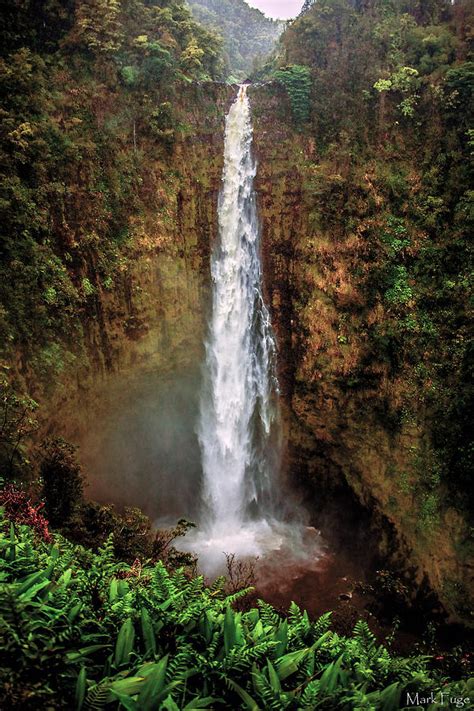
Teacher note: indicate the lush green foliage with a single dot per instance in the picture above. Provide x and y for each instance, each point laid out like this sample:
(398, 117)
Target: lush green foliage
(297, 81)
(81, 630)
(18, 423)
(249, 36)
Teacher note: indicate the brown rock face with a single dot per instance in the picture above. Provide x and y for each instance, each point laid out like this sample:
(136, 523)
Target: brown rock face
(152, 318)
(339, 397)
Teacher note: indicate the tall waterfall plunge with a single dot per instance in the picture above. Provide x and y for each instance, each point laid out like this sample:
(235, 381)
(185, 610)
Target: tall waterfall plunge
(239, 428)
(239, 408)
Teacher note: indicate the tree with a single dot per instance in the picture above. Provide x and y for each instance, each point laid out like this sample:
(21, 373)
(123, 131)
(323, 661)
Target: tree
(297, 82)
(191, 57)
(97, 26)
(16, 424)
(247, 34)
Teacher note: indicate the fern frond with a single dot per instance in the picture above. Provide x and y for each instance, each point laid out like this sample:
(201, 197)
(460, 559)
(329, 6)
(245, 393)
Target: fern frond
(364, 636)
(268, 614)
(97, 695)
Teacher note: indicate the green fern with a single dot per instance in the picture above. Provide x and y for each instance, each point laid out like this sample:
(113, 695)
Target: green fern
(161, 640)
(268, 614)
(321, 625)
(364, 636)
(97, 696)
(310, 696)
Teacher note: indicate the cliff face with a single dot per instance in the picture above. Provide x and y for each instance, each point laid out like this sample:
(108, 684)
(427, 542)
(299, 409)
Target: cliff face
(111, 137)
(354, 424)
(347, 416)
(152, 318)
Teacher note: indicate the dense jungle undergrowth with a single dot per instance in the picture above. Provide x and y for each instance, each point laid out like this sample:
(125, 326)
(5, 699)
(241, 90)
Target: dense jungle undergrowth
(82, 629)
(102, 103)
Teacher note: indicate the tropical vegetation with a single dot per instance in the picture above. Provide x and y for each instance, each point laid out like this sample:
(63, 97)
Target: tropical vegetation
(82, 630)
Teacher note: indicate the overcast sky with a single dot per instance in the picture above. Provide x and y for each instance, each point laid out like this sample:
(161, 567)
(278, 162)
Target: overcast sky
(282, 9)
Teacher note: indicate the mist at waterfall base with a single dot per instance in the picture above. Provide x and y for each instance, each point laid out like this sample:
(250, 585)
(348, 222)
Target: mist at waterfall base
(239, 419)
(143, 450)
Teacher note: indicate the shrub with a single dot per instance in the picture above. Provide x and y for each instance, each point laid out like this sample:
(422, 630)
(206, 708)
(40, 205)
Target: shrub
(17, 423)
(19, 510)
(400, 291)
(139, 637)
(62, 481)
(296, 79)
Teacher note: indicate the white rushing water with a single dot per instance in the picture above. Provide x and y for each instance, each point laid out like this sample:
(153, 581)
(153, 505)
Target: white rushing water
(239, 429)
(239, 409)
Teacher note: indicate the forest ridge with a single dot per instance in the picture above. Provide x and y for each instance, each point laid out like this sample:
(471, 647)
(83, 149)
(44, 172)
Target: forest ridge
(249, 36)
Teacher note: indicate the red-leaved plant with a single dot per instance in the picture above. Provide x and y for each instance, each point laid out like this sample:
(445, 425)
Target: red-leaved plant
(20, 510)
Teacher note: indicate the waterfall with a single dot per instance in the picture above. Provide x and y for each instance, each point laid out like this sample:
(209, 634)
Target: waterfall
(238, 426)
(239, 423)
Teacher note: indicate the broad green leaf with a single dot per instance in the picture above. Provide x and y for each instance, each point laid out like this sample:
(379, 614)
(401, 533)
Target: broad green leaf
(84, 652)
(65, 578)
(153, 685)
(113, 590)
(258, 631)
(250, 704)
(169, 705)
(74, 611)
(390, 697)
(332, 676)
(148, 633)
(281, 637)
(166, 604)
(289, 663)
(124, 645)
(320, 641)
(273, 677)
(253, 616)
(128, 687)
(126, 701)
(81, 687)
(34, 590)
(230, 636)
(122, 588)
(53, 558)
(29, 581)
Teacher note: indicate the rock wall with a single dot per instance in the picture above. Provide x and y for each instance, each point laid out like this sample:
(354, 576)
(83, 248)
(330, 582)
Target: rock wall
(152, 320)
(340, 398)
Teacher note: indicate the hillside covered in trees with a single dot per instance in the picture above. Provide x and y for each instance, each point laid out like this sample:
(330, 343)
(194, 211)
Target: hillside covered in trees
(112, 144)
(249, 36)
